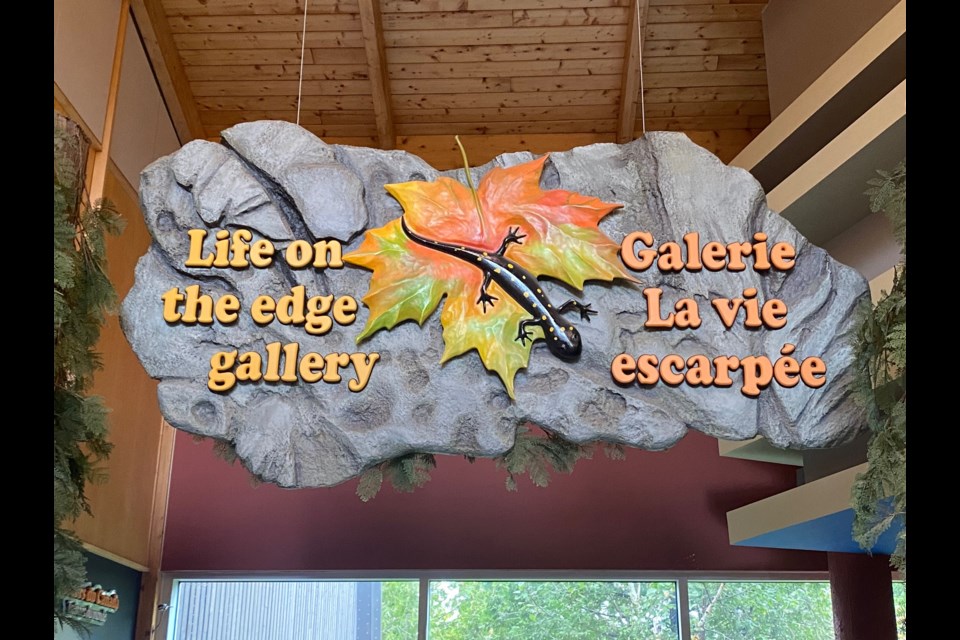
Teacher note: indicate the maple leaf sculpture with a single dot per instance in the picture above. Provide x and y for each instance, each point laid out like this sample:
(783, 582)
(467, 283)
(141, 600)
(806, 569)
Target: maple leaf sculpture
(552, 233)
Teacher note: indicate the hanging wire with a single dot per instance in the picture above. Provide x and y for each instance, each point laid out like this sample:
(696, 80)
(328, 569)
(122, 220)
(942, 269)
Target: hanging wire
(643, 110)
(303, 46)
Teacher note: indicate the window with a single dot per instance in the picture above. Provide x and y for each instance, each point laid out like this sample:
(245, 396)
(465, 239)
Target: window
(539, 610)
(529, 609)
(294, 610)
(900, 608)
(760, 610)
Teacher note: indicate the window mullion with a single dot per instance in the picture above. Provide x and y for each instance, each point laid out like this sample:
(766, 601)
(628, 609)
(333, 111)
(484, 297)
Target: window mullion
(683, 608)
(424, 609)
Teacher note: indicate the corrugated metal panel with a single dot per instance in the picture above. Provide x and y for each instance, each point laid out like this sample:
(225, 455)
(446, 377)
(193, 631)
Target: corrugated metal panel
(266, 610)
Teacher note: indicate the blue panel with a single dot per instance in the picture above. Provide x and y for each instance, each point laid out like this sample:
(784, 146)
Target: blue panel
(827, 533)
(111, 575)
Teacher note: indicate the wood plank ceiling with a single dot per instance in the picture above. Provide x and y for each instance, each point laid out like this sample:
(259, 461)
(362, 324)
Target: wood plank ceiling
(504, 74)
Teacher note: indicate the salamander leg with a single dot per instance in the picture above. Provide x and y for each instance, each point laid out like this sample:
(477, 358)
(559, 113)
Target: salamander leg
(584, 309)
(523, 334)
(485, 298)
(512, 238)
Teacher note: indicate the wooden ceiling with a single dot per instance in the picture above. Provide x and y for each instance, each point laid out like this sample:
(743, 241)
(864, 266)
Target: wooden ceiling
(504, 74)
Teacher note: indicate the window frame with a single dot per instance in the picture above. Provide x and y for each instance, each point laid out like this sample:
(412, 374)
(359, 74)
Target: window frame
(170, 579)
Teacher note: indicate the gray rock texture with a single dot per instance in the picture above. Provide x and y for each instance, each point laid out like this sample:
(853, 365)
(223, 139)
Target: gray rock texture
(282, 183)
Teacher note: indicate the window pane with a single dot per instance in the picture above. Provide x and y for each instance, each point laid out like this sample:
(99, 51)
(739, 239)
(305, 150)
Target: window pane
(400, 602)
(760, 610)
(900, 607)
(551, 610)
(294, 610)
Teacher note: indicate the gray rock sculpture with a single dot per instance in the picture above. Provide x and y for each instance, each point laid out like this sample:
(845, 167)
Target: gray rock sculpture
(283, 183)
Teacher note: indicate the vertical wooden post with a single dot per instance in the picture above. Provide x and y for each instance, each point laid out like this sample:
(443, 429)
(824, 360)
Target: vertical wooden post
(630, 80)
(102, 158)
(162, 52)
(862, 592)
(372, 27)
(150, 581)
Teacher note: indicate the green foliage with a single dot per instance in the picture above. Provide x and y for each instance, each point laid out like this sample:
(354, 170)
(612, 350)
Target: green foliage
(760, 610)
(535, 610)
(370, 482)
(227, 451)
(406, 473)
(399, 606)
(551, 610)
(536, 455)
(888, 193)
(880, 494)
(900, 608)
(82, 294)
(532, 454)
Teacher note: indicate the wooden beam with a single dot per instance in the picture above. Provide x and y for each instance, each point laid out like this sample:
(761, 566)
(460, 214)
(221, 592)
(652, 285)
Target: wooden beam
(113, 557)
(838, 76)
(630, 80)
(62, 104)
(102, 158)
(168, 68)
(441, 152)
(150, 582)
(372, 27)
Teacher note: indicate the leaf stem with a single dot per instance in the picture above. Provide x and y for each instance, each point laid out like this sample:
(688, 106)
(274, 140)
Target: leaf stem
(473, 189)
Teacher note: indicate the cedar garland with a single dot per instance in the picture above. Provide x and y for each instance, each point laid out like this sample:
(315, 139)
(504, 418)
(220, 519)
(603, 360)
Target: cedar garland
(880, 494)
(82, 294)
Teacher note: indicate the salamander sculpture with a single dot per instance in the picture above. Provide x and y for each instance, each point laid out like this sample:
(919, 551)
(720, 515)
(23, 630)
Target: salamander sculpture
(562, 339)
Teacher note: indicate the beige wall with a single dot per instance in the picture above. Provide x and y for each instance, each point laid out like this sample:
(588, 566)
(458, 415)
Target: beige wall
(801, 38)
(868, 246)
(126, 508)
(123, 506)
(142, 129)
(84, 35)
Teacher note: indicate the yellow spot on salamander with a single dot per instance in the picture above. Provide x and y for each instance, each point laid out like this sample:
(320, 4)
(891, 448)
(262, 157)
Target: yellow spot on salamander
(538, 291)
(544, 318)
(555, 337)
(510, 265)
(497, 270)
(479, 259)
(551, 329)
(524, 277)
(526, 294)
(549, 306)
(571, 328)
(485, 254)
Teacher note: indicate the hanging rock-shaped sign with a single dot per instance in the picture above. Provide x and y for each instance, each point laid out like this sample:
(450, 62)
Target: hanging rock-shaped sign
(327, 307)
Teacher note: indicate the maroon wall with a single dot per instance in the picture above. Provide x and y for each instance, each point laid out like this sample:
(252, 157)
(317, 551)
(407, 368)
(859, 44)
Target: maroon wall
(653, 511)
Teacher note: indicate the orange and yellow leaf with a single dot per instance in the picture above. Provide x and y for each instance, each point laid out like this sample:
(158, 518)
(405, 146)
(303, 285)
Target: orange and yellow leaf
(562, 241)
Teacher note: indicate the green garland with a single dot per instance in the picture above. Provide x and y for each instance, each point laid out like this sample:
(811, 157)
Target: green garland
(82, 293)
(531, 454)
(880, 494)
